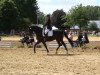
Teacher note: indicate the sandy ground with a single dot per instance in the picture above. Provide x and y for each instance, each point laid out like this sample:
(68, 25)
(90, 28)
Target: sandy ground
(23, 61)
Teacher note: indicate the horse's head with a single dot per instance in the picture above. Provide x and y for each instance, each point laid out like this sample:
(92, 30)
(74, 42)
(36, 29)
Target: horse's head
(34, 29)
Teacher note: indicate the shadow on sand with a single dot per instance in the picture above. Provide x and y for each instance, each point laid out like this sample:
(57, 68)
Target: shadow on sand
(62, 54)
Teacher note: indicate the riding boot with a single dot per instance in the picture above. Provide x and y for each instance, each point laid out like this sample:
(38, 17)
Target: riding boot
(45, 38)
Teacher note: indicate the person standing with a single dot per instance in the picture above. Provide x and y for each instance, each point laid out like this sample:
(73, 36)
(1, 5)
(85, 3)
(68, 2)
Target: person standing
(80, 36)
(85, 37)
(70, 38)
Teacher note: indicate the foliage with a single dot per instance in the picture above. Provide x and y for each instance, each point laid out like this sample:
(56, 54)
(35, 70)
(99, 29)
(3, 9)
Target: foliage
(93, 12)
(24, 23)
(81, 15)
(27, 9)
(41, 17)
(69, 21)
(16, 14)
(93, 26)
(9, 16)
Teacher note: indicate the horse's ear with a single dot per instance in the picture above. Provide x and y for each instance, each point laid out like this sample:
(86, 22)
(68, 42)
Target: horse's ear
(30, 26)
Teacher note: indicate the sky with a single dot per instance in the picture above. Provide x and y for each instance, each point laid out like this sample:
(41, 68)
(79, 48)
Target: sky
(48, 6)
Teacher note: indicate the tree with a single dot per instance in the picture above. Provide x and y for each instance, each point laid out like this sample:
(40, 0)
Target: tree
(57, 18)
(9, 16)
(93, 26)
(17, 14)
(41, 17)
(68, 20)
(81, 15)
(93, 12)
(27, 9)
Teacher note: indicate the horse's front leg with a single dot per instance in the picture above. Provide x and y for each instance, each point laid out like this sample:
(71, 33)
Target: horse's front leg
(35, 46)
(45, 46)
(59, 44)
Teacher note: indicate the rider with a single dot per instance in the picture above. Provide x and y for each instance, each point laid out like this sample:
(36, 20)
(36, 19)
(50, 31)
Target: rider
(47, 26)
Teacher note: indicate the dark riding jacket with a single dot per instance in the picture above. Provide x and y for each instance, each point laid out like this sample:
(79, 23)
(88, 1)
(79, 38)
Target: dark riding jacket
(48, 24)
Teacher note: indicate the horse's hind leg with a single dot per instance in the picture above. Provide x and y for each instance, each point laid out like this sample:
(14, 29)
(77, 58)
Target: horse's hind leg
(45, 46)
(64, 46)
(36, 45)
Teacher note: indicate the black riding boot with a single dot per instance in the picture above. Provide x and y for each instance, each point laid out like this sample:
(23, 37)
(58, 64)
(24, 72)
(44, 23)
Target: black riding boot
(45, 37)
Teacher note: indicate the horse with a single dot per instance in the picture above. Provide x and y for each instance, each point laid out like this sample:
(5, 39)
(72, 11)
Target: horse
(57, 35)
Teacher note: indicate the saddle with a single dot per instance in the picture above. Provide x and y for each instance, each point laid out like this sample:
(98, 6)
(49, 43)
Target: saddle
(49, 32)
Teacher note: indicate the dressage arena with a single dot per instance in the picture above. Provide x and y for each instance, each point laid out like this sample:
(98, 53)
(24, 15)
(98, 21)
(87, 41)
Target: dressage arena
(23, 61)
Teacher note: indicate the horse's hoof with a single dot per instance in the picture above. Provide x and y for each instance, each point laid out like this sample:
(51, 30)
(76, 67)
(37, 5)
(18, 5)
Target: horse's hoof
(67, 53)
(47, 52)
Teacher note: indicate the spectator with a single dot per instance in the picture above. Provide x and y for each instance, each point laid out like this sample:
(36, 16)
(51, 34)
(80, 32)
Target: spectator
(85, 36)
(80, 36)
(70, 36)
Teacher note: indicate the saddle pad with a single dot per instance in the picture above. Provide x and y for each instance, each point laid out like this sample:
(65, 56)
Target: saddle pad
(50, 33)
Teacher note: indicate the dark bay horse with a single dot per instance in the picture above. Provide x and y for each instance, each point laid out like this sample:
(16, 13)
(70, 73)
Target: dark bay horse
(57, 35)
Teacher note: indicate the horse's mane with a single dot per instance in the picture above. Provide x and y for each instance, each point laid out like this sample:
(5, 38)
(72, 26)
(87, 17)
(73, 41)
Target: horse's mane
(38, 25)
(39, 28)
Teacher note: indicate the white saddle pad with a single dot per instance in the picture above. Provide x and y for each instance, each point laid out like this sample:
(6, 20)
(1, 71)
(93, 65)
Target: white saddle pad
(54, 28)
(50, 33)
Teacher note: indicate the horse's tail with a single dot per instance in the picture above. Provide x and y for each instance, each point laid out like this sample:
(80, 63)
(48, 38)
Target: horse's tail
(70, 41)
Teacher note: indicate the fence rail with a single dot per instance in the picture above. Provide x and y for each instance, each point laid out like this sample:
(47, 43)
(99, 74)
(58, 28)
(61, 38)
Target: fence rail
(5, 44)
(54, 44)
